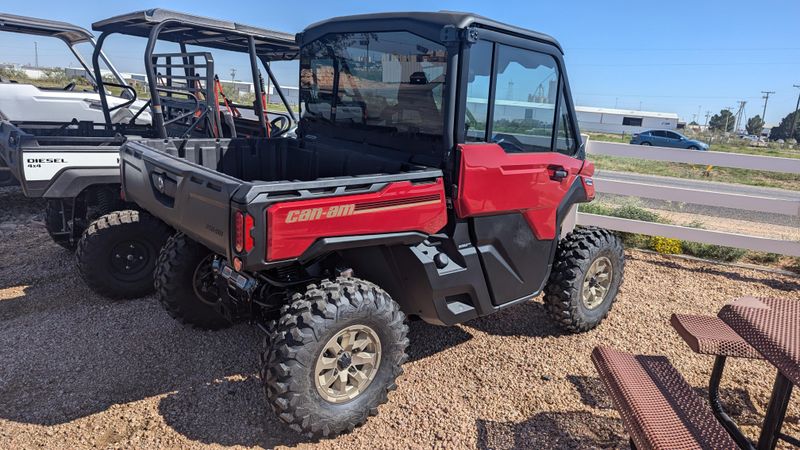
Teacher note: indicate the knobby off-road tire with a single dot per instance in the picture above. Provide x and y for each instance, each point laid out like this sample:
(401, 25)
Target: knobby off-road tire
(306, 328)
(581, 257)
(117, 253)
(185, 285)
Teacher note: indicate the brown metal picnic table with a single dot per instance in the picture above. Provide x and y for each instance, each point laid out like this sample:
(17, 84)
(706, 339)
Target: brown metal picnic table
(772, 327)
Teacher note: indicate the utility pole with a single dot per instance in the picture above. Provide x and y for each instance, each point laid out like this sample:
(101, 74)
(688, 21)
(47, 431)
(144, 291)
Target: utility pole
(766, 99)
(794, 117)
(739, 116)
(727, 119)
(36, 54)
(708, 114)
(233, 74)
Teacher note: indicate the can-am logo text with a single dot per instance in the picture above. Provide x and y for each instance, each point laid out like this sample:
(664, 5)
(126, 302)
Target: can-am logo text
(305, 215)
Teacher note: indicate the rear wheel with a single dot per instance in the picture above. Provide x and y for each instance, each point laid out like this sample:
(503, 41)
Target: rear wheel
(117, 253)
(586, 275)
(333, 356)
(185, 283)
(57, 225)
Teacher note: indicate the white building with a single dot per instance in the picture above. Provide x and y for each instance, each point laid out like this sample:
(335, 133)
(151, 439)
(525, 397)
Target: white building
(603, 120)
(609, 120)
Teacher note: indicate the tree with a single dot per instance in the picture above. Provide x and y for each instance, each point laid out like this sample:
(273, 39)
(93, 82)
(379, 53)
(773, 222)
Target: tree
(782, 130)
(724, 121)
(694, 123)
(755, 125)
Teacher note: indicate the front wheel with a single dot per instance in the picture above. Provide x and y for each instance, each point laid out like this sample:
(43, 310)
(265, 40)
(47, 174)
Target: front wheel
(117, 253)
(646, 143)
(586, 275)
(333, 356)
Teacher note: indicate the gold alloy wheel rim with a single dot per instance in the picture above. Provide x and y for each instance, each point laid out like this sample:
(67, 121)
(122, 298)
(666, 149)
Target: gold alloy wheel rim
(348, 364)
(597, 282)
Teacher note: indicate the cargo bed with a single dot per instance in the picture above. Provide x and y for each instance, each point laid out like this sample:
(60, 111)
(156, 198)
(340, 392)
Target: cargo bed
(196, 185)
(56, 160)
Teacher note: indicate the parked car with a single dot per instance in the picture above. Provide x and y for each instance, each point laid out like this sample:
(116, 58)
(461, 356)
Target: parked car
(666, 138)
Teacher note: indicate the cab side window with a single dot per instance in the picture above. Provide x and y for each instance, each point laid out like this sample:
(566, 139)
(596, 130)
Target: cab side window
(526, 91)
(480, 73)
(565, 139)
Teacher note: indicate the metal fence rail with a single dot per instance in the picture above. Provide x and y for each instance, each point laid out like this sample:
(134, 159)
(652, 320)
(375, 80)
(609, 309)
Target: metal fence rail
(784, 206)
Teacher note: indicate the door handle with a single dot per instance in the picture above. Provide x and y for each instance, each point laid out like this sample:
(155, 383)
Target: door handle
(559, 173)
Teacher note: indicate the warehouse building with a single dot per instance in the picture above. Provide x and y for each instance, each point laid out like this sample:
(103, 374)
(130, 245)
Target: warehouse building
(608, 120)
(590, 119)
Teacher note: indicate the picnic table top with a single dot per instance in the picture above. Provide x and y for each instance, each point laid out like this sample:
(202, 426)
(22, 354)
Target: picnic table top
(772, 327)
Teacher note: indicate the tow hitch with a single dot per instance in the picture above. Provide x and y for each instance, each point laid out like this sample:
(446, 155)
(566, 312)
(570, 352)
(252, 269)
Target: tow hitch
(235, 290)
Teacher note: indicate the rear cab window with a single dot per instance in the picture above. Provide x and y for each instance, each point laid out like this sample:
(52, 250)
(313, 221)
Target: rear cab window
(382, 88)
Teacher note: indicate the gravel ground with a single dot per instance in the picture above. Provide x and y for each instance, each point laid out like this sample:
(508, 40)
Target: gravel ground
(79, 371)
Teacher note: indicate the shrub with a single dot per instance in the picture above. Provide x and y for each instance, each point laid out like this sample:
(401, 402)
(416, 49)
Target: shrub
(664, 245)
(632, 212)
(710, 251)
(761, 257)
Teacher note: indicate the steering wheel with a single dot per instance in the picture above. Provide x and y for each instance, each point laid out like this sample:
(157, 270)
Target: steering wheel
(70, 86)
(509, 146)
(279, 125)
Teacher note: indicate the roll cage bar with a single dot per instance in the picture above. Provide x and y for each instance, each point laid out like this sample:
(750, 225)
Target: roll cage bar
(185, 29)
(68, 33)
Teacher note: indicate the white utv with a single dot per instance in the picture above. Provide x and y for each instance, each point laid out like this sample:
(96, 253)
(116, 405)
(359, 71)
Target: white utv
(61, 143)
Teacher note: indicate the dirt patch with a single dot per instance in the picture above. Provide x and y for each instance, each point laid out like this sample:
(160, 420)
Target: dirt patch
(81, 371)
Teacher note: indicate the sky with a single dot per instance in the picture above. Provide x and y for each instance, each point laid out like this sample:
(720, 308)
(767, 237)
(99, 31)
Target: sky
(686, 57)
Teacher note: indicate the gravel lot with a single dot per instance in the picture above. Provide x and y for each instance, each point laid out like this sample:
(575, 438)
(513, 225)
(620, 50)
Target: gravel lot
(80, 371)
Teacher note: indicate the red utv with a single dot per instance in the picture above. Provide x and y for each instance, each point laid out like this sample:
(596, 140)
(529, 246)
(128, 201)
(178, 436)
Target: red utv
(436, 160)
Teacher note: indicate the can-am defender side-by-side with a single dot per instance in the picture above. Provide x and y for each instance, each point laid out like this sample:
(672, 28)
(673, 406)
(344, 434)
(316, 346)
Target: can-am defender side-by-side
(436, 160)
(55, 142)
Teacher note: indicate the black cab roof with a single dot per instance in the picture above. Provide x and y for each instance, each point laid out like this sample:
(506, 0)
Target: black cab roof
(202, 31)
(67, 32)
(430, 23)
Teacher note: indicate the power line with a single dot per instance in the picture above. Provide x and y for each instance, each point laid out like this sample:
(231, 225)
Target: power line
(681, 49)
(742, 63)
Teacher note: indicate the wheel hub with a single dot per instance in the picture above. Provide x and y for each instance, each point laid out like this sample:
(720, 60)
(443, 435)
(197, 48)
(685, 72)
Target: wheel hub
(129, 258)
(203, 281)
(347, 364)
(597, 282)
(345, 360)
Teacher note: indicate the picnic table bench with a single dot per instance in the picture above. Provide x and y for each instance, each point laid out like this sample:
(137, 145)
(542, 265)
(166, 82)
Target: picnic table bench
(660, 410)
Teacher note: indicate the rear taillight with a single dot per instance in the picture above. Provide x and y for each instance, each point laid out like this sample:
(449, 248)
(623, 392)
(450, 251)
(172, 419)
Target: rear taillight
(243, 225)
(248, 232)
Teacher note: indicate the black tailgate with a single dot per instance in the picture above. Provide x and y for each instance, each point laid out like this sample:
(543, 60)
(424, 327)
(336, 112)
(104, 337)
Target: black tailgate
(191, 198)
(10, 145)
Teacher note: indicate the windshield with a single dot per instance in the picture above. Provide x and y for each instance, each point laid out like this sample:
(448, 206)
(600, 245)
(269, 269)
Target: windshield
(382, 88)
